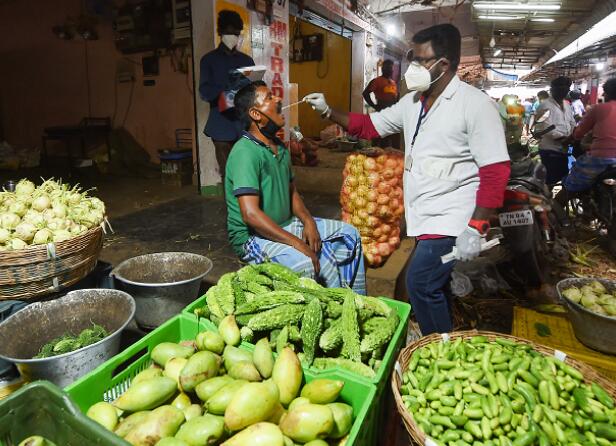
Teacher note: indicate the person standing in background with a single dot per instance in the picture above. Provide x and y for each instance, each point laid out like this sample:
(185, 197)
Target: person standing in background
(541, 96)
(553, 147)
(578, 106)
(215, 66)
(384, 88)
(528, 111)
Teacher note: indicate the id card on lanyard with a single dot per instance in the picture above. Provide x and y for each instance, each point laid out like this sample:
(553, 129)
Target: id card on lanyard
(408, 162)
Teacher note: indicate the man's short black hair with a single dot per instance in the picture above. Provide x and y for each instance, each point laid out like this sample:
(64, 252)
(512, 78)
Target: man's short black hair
(388, 62)
(244, 100)
(445, 40)
(543, 94)
(561, 82)
(229, 19)
(609, 88)
(574, 95)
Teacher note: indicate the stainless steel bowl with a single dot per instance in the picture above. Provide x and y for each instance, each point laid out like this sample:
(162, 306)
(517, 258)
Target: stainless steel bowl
(25, 332)
(593, 330)
(163, 283)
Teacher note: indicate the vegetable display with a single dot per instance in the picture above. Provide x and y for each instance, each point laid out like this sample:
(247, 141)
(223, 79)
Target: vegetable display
(37, 440)
(372, 201)
(51, 212)
(594, 297)
(503, 393)
(208, 392)
(70, 342)
(328, 327)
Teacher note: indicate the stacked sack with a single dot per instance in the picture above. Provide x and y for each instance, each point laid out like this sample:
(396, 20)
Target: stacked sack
(372, 200)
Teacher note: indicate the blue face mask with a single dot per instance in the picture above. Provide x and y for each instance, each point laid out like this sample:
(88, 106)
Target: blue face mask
(270, 129)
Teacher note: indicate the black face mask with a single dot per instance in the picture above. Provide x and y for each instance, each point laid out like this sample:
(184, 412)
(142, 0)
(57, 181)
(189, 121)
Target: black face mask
(270, 129)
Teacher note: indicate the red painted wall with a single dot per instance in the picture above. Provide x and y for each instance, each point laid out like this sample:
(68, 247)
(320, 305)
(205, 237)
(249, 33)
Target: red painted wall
(43, 80)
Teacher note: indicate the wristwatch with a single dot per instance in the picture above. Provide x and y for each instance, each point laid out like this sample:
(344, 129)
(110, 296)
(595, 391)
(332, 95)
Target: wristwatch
(483, 226)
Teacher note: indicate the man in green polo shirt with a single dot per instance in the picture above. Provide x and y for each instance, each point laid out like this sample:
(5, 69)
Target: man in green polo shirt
(267, 218)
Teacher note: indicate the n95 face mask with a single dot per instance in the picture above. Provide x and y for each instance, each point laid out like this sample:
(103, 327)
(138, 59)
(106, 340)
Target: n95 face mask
(417, 77)
(230, 40)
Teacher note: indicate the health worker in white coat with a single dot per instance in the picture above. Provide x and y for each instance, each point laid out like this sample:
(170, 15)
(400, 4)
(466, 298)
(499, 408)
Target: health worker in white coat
(456, 166)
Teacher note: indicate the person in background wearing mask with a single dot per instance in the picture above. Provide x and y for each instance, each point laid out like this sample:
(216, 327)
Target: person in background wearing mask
(215, 66)
(541, 96)
(385, 91)
(456, 165)
(267, 218)
(553, 147)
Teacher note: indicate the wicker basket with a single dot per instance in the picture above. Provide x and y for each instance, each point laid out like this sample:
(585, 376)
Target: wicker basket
(417, 435)
(42, 269)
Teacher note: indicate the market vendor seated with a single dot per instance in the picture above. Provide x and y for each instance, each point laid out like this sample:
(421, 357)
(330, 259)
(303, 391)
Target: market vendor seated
(267, 218)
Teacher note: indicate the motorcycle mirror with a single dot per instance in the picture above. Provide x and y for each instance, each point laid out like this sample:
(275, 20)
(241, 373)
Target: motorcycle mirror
(544, 116)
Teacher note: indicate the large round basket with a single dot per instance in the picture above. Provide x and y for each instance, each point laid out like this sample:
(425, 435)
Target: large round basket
(42, 269)
(416, 434)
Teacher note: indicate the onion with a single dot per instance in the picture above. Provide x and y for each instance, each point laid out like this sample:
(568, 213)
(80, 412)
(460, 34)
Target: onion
(373, 179)
(362, 191)
(386, 229)
(371, 207)
(399, 171)
(377, 232)
(353, 196)
(363, 214)
(384, 211)
(5, 235)
(372, 196)
(370, 164)
(394, 242)
(25, 187)
(381, 159)
(388, 173)
(384, 249)
(372, 222)
(17, 244)
(42, 236)
(383, 239)
(396, 192)
(9, 220)
(356, 170)
(384, 188)
(383, 199)
(41, 203)
(394, 182)
(351, 181)
(356, 221)
(391, 163)
(394, 203)
(25, 231)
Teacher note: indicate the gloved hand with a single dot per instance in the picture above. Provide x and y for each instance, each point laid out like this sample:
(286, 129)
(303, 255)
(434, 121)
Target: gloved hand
(468, 244)
(317, 102)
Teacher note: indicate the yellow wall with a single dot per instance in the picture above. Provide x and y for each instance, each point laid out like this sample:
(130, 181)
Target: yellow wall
(336, 85)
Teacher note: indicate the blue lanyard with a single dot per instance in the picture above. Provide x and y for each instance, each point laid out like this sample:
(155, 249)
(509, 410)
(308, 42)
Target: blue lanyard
(422, 115)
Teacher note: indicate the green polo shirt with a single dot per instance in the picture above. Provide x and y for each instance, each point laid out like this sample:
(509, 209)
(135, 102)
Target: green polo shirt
(253, 169)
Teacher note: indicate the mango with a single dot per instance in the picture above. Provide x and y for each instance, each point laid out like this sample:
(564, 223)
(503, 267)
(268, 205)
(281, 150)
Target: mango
(287, 374)
(244, 370)
(146, 394)
(322, 391)
(164, 351)
(182, 401)
(200, 366)
(288, 441)
(203, 430)
(150, 372)
(173, 368)
(104, 414)
(36, 440)
(343, 419)
(209, 387)
(193, 411)
(210, 340)
(263, 358)
(233, 355)
(308, 422)
(218, 403)
(171, 441)
(279, 412)
(260, 434)
(254, 403)
(189, 343)
(229, 330)
(298, 402)
(162, 422)
(128, 423)
(317, 443)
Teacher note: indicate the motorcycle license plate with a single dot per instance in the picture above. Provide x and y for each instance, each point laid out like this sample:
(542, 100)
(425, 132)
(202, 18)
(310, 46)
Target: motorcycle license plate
(516, 218)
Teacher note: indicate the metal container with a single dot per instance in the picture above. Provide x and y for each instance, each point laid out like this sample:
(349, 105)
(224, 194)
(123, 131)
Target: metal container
(593, 330)
(25, 332)
(162, 283)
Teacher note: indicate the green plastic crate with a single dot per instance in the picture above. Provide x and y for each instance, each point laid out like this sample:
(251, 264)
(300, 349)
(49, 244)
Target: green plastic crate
(113, 378)
(376, 416)
(41, 408)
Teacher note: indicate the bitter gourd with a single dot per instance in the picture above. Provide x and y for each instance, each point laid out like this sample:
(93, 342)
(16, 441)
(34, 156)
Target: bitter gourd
(276, 271)
(269, 300)
(250, 274)
(243, 319)
(347, 364)
(225, 296)
(287, 314)
(307, 282)
(381, 335)
(254, 287)
(312, 325)
(211, 299)
(282, 340)
(372, 324)
(239, 294)
(372, 305)
(247, 334)
(333, 309)
(331, 339)
(350, 330)
(294, 333)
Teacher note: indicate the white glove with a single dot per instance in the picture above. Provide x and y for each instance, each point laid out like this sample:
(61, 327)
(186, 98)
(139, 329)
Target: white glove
(468, 244)
(317, 102)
